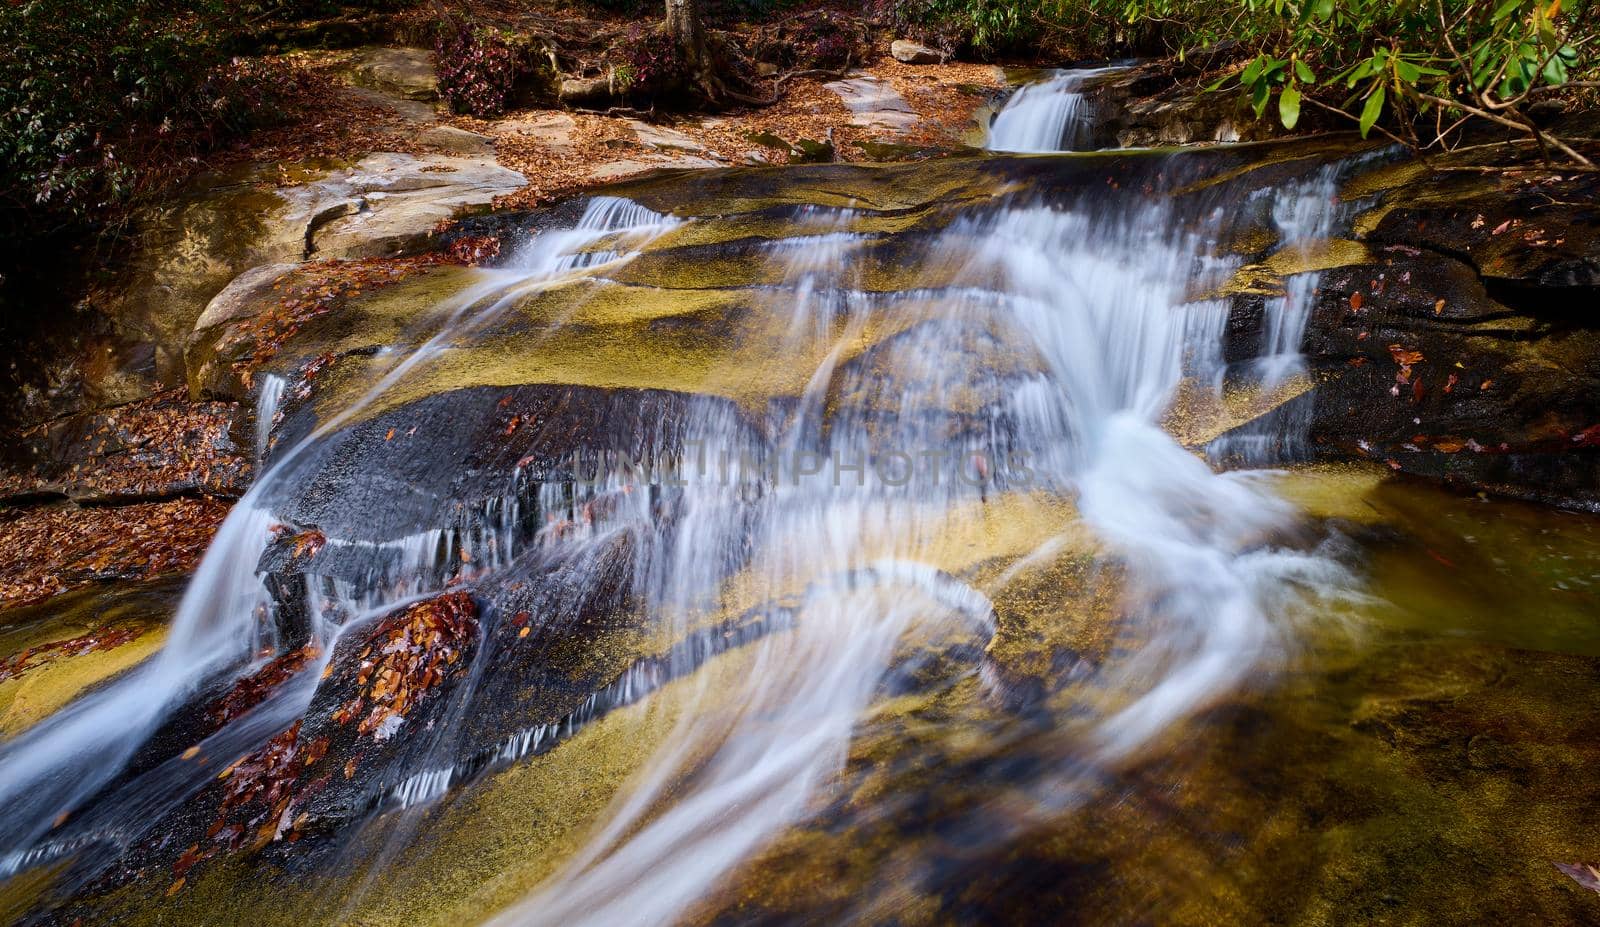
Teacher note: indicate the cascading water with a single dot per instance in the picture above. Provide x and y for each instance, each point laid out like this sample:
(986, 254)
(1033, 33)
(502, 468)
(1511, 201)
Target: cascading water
(1029, 371)
(46, 773)
(1049, 115)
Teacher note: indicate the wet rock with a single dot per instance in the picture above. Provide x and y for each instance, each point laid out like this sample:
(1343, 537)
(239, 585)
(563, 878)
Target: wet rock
(895, 151)
(1466, 351)
(405, 72)
(909, 52)
(283, 571)
(429, 463)
(53, 651)
(381, 704)
(381, 694)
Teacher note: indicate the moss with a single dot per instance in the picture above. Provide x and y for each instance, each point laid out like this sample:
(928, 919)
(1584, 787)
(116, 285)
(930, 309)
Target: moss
(55, 680)
(39, 692)
(1266, 277)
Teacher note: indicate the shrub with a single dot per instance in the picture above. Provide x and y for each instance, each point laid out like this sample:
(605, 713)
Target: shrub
(825, 39)
(984, 26)
(90, 89)
(477, 66)
(651, 64)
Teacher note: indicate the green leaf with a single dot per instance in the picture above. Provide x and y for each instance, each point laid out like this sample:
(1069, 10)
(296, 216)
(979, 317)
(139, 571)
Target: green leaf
(1289, 106)
(1408, 72)
(1258, 98)
(1371, 111)
(1303, 71)
(1252, 71)
(1505, 9)
(1322, 10)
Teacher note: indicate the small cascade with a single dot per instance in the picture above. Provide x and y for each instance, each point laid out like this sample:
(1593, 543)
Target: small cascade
(49, 770)
(268, 401)
(1054, 114)
(1034, 366)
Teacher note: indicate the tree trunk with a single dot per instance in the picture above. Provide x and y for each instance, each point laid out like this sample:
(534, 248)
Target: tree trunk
(687, 28)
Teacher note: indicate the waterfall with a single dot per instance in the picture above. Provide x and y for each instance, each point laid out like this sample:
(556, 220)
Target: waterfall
(1049, 115)
(1033, 362)
(49, 770)
(267, 403)
(1099, 296)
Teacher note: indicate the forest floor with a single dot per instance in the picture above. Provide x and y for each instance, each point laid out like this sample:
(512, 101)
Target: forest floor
(902, 111)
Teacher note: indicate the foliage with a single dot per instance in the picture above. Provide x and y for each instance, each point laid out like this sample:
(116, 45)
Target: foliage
(981, 25)
(1417, 69)
(650, 63)
(1421, 68)
(813, 39)
(88, 88)
(300, 9)
(477, 67)
(825, 39)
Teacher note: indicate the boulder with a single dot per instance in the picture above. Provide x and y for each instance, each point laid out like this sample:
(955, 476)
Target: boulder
(405, 72)
(909, 52)
(874, 103)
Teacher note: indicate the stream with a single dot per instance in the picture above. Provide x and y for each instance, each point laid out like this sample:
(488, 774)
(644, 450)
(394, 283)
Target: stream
(844, 544)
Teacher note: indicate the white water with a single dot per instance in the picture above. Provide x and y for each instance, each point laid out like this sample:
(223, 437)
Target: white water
(1095, 299)
(49, 770)
(1101, 299)
(1048, 115)
(267, 403)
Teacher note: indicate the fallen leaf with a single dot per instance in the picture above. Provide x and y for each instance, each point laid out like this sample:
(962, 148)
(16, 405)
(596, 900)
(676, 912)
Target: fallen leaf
(192, 752)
